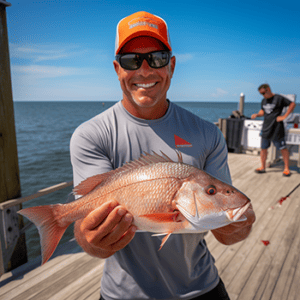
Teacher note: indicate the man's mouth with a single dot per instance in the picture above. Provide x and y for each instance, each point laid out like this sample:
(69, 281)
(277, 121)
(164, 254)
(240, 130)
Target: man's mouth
(145, 85)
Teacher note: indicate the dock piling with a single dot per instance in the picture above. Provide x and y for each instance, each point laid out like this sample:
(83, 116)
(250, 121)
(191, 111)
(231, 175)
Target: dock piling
(241, 104)
(9, 167)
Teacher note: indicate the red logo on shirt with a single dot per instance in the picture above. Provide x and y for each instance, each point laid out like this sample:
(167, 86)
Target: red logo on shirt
(181, 143)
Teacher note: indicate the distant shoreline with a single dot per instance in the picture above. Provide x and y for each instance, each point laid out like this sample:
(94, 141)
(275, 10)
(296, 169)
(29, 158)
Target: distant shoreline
(110, 101)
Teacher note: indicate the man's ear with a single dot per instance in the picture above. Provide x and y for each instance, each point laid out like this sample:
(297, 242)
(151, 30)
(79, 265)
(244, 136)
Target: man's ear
(172, 65)
(117, 67)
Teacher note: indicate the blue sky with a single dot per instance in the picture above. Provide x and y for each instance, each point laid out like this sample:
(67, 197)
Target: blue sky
(63, 50)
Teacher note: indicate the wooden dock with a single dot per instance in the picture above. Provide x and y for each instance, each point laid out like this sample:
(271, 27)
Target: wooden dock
(249, 269)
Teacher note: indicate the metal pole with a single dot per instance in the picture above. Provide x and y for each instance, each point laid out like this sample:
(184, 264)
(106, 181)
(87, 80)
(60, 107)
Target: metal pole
(241, 105)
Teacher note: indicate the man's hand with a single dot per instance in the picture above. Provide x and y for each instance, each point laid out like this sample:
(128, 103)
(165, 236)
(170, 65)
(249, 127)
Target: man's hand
(237, 231)
(280, 118)
(105, 230)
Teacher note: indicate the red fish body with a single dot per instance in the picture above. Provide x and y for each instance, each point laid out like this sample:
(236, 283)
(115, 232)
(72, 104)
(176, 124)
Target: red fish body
(163, 196)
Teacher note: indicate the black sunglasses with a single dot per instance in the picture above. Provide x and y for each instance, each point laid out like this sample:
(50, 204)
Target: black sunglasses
(133, 61)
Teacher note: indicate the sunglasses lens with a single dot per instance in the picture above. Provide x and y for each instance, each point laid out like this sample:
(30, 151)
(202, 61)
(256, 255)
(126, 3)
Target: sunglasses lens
(130, 61)
(158, 59)
(133, 61)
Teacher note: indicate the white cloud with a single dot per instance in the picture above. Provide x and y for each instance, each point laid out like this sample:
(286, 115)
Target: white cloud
(182, 58)
(220, 93)
(37, 53)
(43, 71)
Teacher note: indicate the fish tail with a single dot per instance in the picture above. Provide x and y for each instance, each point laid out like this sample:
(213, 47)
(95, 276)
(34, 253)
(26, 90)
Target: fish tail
(50, 231)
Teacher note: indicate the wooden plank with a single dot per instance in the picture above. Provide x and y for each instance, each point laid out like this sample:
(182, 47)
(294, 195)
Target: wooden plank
(281, 244)
(51, 285)
(256, 275)
(3, 2)
(42, 192)
(85, 287)
(283, 286)
(29, 274)
(294, 291)
(29, 280)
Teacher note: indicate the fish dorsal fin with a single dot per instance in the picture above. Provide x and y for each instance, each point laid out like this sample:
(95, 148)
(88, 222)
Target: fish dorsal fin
(90, 183)
(148, 159)
(168, 159)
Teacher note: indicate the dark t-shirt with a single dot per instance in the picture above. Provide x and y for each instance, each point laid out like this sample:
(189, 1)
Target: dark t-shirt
(272, 107)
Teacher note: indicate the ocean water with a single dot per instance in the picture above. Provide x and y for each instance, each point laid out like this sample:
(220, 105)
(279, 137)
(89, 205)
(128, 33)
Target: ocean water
(43, 132)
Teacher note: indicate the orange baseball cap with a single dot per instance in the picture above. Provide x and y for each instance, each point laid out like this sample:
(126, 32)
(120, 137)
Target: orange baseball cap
(142, 24)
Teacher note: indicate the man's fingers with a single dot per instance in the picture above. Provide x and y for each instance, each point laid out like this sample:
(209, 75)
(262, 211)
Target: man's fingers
(112, 222)
(97, 216)
(115, 234)
(108, 227)
(124, 240)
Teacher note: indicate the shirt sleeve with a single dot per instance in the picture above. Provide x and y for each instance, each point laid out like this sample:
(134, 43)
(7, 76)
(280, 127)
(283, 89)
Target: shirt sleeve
(285, 101)
(88, 155)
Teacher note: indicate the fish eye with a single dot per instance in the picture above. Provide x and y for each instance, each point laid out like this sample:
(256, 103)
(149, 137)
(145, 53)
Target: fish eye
(211, 190)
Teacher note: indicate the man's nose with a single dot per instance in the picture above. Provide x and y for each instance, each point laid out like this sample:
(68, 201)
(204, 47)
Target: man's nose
(145, 68)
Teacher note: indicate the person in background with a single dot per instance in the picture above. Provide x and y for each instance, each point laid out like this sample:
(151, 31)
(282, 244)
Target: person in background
(145, 121)
(273, 128)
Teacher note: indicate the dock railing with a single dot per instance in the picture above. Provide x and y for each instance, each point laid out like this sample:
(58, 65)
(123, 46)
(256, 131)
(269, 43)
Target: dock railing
(9, 222)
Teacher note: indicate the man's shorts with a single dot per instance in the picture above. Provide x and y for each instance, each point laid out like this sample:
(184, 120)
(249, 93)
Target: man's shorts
(279, 144)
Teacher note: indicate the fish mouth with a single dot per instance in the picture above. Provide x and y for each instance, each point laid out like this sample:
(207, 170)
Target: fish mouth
(236, 214)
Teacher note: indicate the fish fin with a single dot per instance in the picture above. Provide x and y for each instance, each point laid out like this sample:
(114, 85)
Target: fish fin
(90, 183)
(44, 218)
(164, 240)
(159, 234)
(148, 159)
(162, 217)
(164, 156)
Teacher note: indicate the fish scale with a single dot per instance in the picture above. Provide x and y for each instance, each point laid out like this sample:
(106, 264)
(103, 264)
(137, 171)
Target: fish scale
(158, 193)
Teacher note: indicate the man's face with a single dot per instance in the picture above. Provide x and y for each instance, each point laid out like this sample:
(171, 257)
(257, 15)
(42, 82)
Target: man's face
(145, 89)
(266, 93)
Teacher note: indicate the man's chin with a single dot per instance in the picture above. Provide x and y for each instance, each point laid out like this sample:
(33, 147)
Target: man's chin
(145, 102)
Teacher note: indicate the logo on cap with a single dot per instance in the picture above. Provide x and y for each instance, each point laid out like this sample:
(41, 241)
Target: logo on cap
(146, 21)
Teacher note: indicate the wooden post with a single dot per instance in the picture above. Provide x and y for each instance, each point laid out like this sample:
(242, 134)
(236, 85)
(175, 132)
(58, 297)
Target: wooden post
(241, 105)
(9, 168)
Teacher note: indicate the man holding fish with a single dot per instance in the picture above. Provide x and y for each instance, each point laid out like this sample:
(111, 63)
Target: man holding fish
(148, 217)
(145, 120)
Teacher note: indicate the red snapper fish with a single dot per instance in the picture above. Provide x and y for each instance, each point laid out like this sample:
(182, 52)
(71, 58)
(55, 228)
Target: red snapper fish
(164, 197)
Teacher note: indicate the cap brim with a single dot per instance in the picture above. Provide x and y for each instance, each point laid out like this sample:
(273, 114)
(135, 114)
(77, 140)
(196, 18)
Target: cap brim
(143, 33)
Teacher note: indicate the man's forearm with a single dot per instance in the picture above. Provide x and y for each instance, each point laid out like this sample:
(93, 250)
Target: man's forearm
(290, 109)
